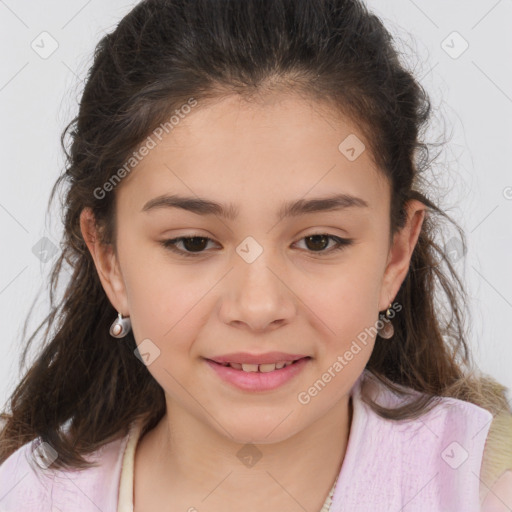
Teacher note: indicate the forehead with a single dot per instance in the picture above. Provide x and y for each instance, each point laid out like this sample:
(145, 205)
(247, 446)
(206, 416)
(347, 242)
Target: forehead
(252, 153)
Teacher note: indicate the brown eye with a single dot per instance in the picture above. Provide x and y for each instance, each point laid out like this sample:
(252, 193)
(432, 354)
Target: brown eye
(317, 242)
(193, 245)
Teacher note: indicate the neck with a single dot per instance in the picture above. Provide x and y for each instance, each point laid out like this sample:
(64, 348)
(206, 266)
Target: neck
(183, 459)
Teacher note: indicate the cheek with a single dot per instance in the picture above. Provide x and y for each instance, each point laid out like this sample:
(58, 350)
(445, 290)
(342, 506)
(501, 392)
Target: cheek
(345, 314)
(347, 301)
(167, 315)
(167, 303)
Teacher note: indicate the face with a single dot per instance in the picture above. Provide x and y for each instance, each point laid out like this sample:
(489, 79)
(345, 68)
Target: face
(308, 283)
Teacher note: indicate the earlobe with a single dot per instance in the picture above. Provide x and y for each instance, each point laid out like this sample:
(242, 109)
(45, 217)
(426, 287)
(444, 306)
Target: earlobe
(105, 262)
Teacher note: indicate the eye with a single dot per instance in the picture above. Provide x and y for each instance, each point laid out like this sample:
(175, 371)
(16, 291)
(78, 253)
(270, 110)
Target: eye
(319, 241)
(195, 245)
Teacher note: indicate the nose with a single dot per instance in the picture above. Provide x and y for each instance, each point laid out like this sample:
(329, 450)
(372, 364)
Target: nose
(256, 295)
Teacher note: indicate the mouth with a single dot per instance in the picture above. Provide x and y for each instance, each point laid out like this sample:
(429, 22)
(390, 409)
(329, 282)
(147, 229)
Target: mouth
(259, 377)
(260, 368)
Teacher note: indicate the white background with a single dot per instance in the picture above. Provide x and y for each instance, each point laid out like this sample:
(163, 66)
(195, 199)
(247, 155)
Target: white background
(472, 95)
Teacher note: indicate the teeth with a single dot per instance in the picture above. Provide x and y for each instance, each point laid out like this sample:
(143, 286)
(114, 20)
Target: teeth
(270, 367)
(264, 368)
(249, 367)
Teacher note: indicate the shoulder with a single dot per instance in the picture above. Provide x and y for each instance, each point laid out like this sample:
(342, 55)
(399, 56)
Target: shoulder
(26, 483)
(442, 446)
(469, 447)
(21, 487)
(496, 471)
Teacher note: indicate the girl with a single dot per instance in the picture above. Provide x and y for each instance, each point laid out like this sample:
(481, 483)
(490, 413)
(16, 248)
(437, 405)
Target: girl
(245, 196)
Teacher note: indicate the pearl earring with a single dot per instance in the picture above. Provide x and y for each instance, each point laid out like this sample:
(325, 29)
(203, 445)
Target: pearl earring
(120, 327)
(387, 330)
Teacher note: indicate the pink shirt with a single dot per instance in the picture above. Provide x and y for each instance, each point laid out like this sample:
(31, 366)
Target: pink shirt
(430, 464)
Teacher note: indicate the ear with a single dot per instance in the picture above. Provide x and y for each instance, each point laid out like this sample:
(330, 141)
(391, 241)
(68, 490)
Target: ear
(399, 257)
(106, 263)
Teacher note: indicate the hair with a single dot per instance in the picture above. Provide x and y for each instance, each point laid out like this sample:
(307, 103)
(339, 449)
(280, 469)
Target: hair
(162, 54)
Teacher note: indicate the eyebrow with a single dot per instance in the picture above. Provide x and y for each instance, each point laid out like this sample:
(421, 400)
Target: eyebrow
(202, 206)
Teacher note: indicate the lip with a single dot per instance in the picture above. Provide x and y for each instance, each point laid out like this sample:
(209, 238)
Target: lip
(258, 381)
(266, 358)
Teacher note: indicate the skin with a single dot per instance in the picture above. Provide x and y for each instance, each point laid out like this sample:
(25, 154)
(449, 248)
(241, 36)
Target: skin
(293, 298)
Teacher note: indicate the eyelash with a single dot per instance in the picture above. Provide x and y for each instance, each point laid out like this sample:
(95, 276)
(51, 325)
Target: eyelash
(170, 244)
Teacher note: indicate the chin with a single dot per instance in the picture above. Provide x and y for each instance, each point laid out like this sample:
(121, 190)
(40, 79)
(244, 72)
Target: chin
(258, 432)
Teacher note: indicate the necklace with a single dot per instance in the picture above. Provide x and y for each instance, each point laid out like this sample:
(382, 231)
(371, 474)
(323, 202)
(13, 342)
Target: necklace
(327, 504)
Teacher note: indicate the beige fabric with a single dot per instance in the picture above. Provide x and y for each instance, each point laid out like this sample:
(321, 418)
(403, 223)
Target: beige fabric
(125, 502)
(496, 471)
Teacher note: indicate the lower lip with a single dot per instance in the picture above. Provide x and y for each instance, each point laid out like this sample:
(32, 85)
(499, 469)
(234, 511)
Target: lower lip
(258, 381)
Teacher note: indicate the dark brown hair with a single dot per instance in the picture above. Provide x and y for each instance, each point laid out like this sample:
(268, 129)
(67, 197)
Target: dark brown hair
(161, 54)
